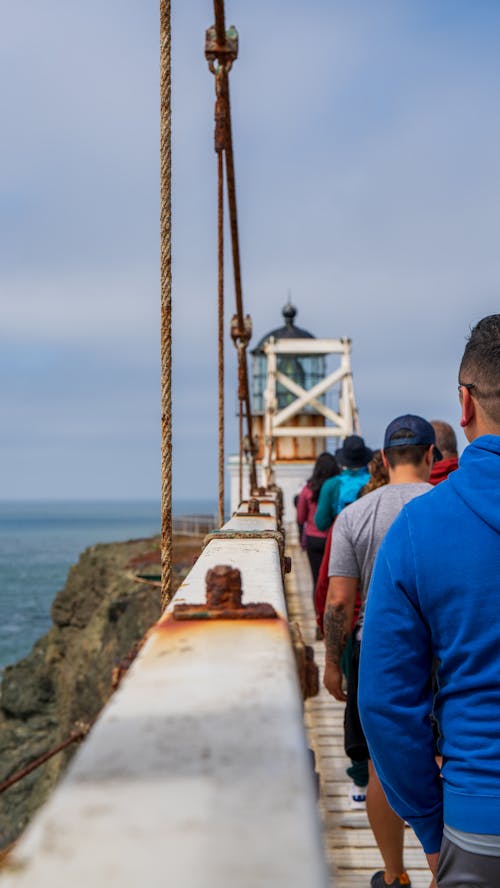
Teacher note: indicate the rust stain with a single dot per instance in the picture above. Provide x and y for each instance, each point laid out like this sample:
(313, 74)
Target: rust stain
(170, 627)
(251, 611)
(174, 637)
(253, 515)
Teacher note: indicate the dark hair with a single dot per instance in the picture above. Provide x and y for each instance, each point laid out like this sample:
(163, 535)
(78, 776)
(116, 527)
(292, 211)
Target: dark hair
(379, 476)
(325, 467)
(407, 454)
(480, 365)
(446, 440)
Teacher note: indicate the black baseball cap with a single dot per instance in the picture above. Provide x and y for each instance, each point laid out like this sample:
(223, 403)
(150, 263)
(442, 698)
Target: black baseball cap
(421, 432)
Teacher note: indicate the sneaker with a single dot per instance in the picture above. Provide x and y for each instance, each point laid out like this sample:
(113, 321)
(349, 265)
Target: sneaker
(357, 797)
(378, 881)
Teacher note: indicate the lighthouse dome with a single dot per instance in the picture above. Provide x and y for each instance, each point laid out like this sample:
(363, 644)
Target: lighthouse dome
(305, 370)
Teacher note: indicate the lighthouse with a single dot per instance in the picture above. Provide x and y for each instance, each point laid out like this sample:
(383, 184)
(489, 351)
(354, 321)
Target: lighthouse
(302, 404)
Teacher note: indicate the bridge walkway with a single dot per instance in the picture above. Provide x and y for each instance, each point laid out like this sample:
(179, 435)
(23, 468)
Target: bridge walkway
(351, 851)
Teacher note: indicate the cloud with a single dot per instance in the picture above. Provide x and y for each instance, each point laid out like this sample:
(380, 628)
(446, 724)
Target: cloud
(366, 146)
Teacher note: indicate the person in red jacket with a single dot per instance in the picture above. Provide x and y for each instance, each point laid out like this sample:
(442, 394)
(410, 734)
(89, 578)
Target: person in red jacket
(446, 441)
(325, 467)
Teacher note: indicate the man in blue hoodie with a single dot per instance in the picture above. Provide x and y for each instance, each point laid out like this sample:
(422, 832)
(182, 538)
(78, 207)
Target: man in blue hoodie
(432, 621)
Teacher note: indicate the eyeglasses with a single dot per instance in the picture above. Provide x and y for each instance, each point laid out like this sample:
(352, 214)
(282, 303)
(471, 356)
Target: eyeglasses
(480, 395)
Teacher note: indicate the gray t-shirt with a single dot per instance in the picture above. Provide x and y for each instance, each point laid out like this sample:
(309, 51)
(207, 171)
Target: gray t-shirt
(360, 529)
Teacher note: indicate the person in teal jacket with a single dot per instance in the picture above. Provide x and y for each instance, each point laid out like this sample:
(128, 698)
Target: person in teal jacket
(431, 644)
(336, 493)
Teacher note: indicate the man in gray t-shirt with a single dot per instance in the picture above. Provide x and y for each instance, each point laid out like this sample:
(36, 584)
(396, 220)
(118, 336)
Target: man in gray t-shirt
(361, 527)
(409, 452)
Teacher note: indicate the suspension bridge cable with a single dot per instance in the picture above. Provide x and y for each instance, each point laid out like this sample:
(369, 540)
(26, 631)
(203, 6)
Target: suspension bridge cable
(220, 51)
(166, 301)
(220, 312)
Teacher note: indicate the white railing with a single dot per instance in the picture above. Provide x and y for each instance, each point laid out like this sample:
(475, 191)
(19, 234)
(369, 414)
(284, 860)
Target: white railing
(197, 773)
(195, 525)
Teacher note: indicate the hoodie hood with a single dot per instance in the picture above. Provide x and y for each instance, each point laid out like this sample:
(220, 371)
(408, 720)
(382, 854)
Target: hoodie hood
(477, 481)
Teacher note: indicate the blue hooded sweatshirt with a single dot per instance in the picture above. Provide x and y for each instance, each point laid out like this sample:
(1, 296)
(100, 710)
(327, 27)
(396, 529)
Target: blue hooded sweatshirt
(434, 598)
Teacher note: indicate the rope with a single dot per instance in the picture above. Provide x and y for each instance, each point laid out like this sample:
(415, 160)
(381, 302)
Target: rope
(166, 302)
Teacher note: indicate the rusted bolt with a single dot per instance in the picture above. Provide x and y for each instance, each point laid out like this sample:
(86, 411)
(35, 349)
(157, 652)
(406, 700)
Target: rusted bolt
(253, 507)
(223, 586)
(287, 564)
(260, 491)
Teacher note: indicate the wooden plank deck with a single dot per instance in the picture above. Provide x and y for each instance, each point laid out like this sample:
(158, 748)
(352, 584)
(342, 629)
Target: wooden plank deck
(351, 850)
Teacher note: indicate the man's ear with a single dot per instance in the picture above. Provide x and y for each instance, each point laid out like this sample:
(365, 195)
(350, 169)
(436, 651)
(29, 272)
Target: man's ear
(384, 459)
(468, 407)
(429, 455)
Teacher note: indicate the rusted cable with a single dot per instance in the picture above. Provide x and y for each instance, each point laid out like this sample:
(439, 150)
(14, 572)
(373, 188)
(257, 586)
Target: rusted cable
(220, 21)
(220, 233)
(121, 669)
(166, 302)
(233, 220)
(221, 50)
(240, 474)
(78, 734)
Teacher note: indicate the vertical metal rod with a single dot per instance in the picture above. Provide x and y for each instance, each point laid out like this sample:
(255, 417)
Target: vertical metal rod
(231, 196)
(240, 491)
(220, 234)
(220, 21)
(166, 301)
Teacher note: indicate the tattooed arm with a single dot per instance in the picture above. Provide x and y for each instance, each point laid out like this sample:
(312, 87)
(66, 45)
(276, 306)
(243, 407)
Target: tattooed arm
(337, 623)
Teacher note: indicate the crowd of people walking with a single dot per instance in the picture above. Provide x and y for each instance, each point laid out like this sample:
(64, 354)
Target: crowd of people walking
(405, 572)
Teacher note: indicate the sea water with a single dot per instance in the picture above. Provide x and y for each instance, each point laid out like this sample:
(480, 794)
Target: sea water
(39, 541)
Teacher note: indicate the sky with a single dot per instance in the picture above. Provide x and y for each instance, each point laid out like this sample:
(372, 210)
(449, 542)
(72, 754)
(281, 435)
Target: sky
(367, 153)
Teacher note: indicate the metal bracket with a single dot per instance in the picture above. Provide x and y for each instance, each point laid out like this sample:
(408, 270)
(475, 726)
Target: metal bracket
(223, 600)
(225, 54)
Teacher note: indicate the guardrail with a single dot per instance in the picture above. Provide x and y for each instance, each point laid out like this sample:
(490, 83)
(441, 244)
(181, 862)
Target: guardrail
(197, 773)
(196, 525)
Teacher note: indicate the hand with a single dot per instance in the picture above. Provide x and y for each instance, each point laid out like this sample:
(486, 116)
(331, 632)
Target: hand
(333, 681)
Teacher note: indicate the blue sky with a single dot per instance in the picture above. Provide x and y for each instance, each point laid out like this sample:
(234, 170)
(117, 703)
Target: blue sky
(367, 142)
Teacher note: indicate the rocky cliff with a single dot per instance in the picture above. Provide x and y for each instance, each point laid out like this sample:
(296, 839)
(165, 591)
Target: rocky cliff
(102, 612)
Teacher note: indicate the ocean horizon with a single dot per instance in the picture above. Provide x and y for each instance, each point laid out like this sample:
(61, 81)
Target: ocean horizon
(41, 539)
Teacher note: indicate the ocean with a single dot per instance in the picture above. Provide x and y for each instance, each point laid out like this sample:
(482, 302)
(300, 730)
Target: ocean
(39, 541)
